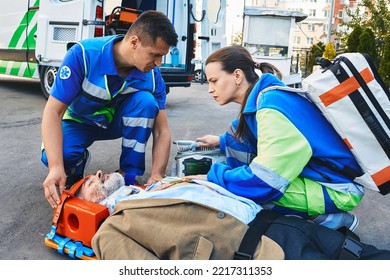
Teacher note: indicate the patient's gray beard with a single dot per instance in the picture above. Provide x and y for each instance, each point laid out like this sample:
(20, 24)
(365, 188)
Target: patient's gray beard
(114, 182)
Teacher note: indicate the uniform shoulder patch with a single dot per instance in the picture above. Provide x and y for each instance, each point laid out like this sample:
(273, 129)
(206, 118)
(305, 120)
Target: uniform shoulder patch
(65, 72)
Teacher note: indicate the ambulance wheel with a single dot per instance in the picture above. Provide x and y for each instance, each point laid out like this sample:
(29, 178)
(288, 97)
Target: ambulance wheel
(47, 77)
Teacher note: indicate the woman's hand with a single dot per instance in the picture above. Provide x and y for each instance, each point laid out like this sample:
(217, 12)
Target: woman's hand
(208, 141)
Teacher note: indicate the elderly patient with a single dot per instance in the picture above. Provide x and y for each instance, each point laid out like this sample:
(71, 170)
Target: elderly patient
(99, 186)
(183, 218)
(109, 189)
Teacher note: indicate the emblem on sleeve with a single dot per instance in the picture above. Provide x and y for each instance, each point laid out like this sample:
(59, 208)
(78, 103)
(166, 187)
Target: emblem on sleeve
(65, 72)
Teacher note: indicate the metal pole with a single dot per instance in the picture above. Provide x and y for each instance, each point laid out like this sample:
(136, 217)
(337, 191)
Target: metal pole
(201, 73)
(330, 20)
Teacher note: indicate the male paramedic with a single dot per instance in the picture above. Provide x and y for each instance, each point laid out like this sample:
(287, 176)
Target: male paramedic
(107, 88)
(183, 218)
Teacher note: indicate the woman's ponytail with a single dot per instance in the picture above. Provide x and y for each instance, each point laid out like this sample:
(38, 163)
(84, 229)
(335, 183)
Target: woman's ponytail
(266, 67)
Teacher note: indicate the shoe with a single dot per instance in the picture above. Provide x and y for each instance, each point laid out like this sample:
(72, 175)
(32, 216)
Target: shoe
(337, 220)
(77, 173)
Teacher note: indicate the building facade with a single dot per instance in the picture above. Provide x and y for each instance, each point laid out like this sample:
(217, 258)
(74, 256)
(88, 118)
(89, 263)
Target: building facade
(324, 21)
(325, 17)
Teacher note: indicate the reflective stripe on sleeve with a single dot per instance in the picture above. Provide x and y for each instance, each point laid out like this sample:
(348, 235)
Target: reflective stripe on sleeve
(268, 176)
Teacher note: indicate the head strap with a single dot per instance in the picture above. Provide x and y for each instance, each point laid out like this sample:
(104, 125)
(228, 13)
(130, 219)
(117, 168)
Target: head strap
(65, 195)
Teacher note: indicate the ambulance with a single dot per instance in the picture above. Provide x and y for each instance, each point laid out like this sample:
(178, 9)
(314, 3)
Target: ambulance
(36, 34)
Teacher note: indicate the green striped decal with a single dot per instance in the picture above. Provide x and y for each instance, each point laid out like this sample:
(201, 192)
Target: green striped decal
(30, 39)
(21, 69)
(22, 29)
(30, 70)
(3, 66)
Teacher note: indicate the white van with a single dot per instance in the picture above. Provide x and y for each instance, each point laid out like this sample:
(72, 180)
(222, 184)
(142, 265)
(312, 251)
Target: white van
(36, 34)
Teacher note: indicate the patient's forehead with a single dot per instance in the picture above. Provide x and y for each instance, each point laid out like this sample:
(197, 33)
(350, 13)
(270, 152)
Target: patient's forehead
(88, 182)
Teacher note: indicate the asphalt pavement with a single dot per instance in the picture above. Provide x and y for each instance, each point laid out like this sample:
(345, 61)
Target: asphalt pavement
(26, 216)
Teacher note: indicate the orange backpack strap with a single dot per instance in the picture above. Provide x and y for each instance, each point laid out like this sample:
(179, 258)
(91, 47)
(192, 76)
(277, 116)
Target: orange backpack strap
(64, 196)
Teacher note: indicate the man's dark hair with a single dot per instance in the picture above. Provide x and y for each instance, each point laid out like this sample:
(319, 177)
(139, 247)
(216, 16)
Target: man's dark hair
(153, 24)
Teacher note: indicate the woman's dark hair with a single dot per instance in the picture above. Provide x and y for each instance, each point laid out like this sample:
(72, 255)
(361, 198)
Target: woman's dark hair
(237, 57)
(151, 25)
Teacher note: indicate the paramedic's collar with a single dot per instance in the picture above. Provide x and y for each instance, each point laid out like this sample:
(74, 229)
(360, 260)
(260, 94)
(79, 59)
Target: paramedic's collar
(107, 65)
(266, 80)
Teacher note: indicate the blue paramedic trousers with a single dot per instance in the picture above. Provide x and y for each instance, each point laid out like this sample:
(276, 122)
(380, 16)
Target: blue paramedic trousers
(133, 121)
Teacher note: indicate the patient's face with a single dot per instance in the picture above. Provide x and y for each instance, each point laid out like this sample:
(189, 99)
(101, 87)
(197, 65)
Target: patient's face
(100, 186)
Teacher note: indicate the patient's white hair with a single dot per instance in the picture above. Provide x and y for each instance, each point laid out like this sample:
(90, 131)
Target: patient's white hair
(103, 190)
(114, 182)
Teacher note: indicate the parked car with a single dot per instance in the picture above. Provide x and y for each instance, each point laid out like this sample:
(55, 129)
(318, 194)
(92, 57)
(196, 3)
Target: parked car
(199, 76)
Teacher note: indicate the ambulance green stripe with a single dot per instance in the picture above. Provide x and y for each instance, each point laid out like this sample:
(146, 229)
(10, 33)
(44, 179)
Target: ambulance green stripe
(27, 73)
(33, 66)
(30, 41)
(30, 70)
(15, 68)
(3, 66)
(22, 27)
(18, 33)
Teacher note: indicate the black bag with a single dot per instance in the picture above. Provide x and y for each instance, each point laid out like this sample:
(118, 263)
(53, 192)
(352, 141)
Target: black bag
(305, 240)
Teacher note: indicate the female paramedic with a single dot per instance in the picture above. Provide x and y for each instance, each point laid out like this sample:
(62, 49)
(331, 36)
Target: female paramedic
(281, 152)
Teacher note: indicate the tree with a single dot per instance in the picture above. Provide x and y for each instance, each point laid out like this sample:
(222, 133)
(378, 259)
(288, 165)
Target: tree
(379, 21)
(367, 44)
(384, 69)
(330, 51)
(237, 39)
(373, 15)
(315, 51)
(353, 39)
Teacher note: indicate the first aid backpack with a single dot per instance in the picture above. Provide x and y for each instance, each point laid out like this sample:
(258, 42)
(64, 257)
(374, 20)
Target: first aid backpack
(353, 98)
